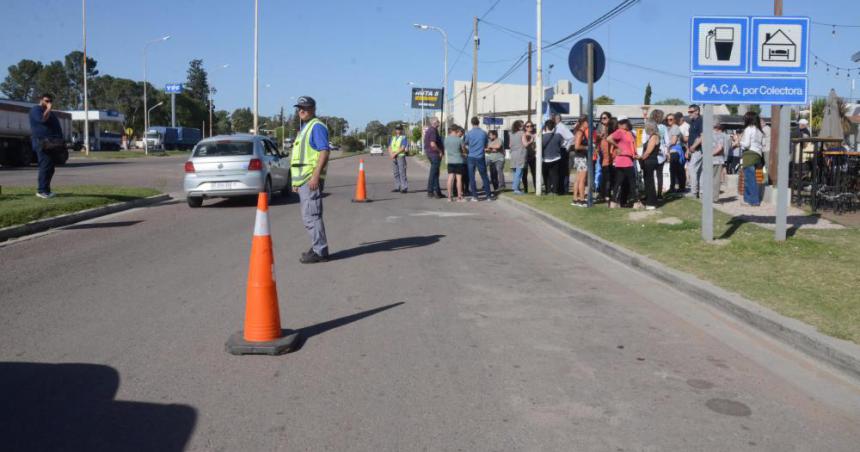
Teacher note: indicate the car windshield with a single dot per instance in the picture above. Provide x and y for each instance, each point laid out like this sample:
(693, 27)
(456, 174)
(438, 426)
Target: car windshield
(152, 135)
(224, 148)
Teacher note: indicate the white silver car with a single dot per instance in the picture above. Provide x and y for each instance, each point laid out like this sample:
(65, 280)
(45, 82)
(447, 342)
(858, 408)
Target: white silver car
(376, 149)
(225, 166)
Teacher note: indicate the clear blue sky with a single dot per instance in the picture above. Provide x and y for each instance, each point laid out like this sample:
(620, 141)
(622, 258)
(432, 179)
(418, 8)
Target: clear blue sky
(356, 57)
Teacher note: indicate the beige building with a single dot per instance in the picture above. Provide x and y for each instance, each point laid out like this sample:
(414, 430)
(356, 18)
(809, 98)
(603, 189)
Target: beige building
(509, 101)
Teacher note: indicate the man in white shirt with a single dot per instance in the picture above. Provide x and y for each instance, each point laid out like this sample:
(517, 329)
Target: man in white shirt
(566, 155)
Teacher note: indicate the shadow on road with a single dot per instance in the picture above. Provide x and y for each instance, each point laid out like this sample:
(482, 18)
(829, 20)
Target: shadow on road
(251, 201)
(401, 243)
(320, 328)
(111, 224)
(72, 407)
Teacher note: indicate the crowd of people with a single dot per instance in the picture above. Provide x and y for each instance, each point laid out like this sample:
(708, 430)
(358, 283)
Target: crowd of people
(628, 170)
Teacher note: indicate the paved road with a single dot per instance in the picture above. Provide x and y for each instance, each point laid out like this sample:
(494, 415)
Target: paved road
(436, 327)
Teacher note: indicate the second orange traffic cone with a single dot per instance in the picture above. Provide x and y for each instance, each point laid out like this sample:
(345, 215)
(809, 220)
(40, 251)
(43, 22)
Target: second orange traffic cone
(360, 185)
(262, 334)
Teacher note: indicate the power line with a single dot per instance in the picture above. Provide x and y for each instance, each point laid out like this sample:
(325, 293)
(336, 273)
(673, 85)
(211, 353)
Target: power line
(462, 49)
(836, 25)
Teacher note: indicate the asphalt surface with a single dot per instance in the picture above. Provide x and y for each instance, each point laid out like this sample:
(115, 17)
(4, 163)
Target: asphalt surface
(436, 326)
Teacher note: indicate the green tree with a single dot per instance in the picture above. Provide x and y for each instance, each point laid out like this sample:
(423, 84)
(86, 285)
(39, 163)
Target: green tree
(648, 94)
(52, 79)
(671, 101)
(755, 108)
(197, 83)
(416, 134)
(733, 108)
(243, 120)
(604, 100)
(375, 131)
(74, 66)
(22, 80)
(222, 122)
(352, 144)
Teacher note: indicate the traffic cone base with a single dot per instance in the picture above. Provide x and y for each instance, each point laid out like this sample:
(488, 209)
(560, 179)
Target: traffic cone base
(262, 334)
(360, 185)
(237, 345)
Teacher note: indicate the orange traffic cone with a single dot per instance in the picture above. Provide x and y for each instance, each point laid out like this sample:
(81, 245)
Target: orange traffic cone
(262, 334)
(360, 187)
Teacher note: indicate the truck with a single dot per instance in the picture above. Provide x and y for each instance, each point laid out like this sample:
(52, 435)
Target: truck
(164, 138)
(15, 146)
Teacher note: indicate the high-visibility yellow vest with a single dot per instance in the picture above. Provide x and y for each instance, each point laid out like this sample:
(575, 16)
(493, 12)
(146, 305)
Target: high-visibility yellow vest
(304, 157)
(396, 147)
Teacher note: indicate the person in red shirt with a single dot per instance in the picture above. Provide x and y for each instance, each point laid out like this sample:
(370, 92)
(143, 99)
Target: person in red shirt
(625, 174)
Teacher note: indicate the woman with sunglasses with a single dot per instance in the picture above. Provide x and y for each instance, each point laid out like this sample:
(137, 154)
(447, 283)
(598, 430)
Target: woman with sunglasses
(529, 136)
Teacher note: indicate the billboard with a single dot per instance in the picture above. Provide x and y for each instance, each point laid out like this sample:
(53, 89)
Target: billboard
(430, 98)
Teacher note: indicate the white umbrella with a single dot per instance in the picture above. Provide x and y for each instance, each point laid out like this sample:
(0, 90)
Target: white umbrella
(831, 123)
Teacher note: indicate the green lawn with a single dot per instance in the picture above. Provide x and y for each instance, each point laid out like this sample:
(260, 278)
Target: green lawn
(814, 276)
(19, 205)
(127, 154)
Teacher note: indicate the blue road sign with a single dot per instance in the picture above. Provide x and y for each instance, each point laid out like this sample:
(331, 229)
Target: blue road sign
(173, 88)
(748, 90)
(780, 45)
(719, 44)
(492, 121)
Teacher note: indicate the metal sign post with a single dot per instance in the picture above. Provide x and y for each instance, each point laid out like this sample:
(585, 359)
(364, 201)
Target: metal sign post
(587, 62)
(707, 178)
(784, 152)
(173, 89)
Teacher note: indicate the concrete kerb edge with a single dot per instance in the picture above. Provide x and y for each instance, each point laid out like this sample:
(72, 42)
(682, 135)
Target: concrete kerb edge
(34, 227)
(838, 353)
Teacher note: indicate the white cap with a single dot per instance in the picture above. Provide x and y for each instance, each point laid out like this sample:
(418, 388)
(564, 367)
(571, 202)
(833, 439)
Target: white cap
(622, 118)
(804, 122)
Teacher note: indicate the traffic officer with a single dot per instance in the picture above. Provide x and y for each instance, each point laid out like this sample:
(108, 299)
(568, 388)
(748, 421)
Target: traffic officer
(307, 168)
(397, 150)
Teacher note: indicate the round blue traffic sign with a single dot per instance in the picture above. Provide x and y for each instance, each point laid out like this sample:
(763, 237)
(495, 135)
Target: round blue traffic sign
(578, 60)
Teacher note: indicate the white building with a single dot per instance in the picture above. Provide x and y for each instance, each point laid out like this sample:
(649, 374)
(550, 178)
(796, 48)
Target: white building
(509, 102)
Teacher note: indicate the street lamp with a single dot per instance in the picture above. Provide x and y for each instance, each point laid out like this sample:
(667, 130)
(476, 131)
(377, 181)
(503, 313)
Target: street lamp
(212, 92)
(146, 114)
(256, 66)
(424, 27)
(86, 100)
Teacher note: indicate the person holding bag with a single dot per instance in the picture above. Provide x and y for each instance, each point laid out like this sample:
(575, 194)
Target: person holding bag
(46, 137)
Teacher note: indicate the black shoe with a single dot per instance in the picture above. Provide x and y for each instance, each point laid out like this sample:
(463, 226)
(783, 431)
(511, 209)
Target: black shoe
(312, 258)
(396, 190)
(440, 195)
(431, 195)
(404, 191)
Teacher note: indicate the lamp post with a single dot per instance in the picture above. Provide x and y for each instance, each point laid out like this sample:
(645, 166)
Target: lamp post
(146, 110)
(444, 69)
(256, 65)
(147, 115)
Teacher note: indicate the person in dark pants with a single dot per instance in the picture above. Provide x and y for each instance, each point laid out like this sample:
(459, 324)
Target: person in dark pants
(44, 125)
(433, 148)
(625, 174)
(648, 162)
(677, 172)
(529, 134)
(551, 157)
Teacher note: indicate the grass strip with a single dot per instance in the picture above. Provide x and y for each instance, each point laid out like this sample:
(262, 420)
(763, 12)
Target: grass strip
(19, 205)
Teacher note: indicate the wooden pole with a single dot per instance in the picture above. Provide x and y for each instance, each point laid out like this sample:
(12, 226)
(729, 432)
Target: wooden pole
(773, 155)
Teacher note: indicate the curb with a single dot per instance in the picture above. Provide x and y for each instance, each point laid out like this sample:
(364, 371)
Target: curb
(838, 353)
(13, 232)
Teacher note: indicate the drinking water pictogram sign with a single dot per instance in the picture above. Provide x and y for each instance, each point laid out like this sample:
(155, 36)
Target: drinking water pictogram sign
(719, 44)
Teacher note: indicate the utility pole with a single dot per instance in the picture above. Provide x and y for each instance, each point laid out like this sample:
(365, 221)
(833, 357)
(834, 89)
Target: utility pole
(86, 100)
(475, 71)
(775, 122)
(529, 107)
(539, 126)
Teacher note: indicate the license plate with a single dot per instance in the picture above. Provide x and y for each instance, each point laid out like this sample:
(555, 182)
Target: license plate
(223, 185)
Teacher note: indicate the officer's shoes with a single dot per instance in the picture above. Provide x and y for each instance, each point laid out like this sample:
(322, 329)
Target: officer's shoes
(312, 258)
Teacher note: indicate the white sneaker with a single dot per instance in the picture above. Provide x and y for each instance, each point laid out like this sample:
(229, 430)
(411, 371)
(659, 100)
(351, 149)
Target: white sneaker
(650, 207)
(45, 195)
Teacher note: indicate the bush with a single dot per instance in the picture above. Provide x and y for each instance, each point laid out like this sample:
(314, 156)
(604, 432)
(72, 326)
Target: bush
(352, 144)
